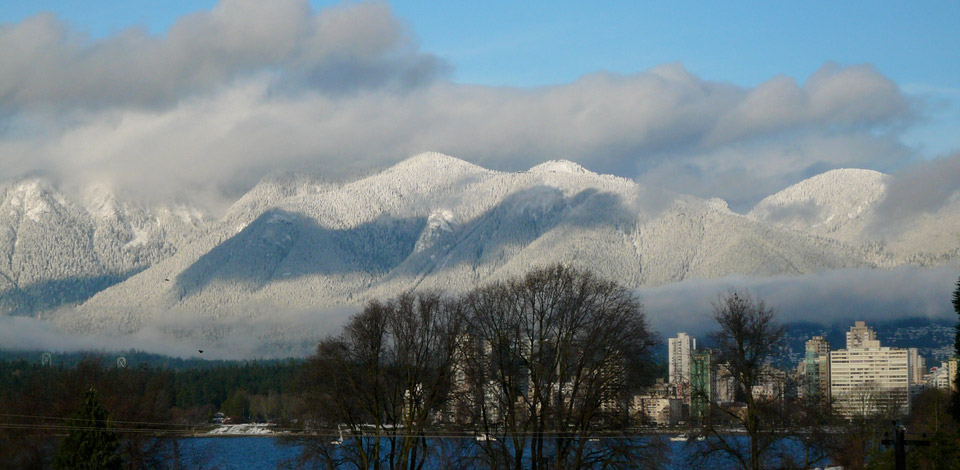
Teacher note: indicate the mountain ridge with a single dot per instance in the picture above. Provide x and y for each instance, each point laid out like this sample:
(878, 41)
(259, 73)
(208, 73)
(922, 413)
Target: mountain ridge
(295, 243)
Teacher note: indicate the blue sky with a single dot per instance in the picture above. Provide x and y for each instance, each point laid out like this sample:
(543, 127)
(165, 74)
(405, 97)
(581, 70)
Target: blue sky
(544, 43)
(196, 101)
(540, 42)
(691, 93)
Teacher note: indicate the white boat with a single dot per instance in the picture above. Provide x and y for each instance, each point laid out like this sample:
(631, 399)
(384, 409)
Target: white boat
(339, 440)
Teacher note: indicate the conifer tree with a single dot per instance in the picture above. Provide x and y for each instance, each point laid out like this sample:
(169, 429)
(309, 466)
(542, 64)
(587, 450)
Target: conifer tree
(90, 444)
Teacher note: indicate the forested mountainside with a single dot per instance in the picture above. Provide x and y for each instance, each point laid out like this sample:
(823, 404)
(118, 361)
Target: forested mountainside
(297, 244)
(845, 205)
(56, 251)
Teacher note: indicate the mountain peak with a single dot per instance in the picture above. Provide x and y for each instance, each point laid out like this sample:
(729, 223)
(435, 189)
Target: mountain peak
(32, 186)
(101, 202)
(560, 166)
(849, 174)
(34, 197)
(433, 161)
(844, 186)
(834, 204)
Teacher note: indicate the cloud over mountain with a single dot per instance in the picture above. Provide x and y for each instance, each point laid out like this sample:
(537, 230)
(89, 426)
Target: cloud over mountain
(921, 188)
(247, 88)
(314, 249)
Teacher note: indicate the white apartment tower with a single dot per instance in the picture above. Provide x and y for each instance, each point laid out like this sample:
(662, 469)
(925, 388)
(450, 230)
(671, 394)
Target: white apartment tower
(866, 378)
(952, 373)
(919, 365)
(680, 349)
(862, 336)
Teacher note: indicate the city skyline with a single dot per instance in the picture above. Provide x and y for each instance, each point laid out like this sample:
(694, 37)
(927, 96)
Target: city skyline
(860, 377)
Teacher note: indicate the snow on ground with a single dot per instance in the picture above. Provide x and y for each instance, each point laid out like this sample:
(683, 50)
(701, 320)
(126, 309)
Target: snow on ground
(242, 429)
(140, 237)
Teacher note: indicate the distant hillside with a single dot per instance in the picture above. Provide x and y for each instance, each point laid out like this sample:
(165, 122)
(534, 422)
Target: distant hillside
(297, 246)
(55, 251)
(133, 359)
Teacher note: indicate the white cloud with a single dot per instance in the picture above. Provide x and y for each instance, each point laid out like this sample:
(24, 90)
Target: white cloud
(251, 87)
(46, 65)
(281, 334)
(665, 125)
(825, 298)
(923, 187)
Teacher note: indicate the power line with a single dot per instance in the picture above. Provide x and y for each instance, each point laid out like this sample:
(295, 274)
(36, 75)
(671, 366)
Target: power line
(60, 418)
(310, 434)
(362, 431)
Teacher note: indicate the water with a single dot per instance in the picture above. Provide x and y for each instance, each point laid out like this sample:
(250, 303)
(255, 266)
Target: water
(227, 453)
(262, 453)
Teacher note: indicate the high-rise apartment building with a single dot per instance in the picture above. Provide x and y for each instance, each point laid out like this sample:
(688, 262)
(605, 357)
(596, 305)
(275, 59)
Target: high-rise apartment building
(680, 349)
(703, 382)
(816, 371)
(866, 378)
(726, 385)
(919, 365)
(818, 345)
(952, 373)
(862, 336)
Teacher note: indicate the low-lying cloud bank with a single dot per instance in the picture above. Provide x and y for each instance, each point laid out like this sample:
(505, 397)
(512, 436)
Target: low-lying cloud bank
(253, 87)
(281, 334)
(832, 297)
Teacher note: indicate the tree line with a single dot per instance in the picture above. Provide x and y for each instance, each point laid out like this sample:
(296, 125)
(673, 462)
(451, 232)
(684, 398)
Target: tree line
(149, 406)
(538, 372)
(535, 372)
(534, 369)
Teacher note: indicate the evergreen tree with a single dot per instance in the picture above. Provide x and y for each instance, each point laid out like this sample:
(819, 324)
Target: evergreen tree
(90, 444)
(237, 406)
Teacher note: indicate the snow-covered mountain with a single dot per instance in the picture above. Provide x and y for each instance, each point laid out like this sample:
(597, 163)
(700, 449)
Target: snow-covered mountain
(844, 205)
(836, 204)
(298, 244)
(55, 251)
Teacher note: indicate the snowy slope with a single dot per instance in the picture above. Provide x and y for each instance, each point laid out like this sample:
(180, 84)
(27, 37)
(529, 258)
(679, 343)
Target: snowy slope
(437, 222)
(845, 205)
(55, 251)
(295, 244)
(837, 204)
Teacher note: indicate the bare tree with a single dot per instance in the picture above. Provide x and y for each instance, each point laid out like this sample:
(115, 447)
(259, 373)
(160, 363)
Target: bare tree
(747, 338)
(540, 368)
(811, 428)
(553, 358)
(863, 415)
(374, 389)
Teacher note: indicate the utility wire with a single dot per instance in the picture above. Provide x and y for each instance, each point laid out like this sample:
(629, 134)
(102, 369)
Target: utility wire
(362, 431)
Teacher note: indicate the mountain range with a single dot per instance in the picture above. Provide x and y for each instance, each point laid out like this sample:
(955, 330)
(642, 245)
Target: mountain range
(295, 243)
